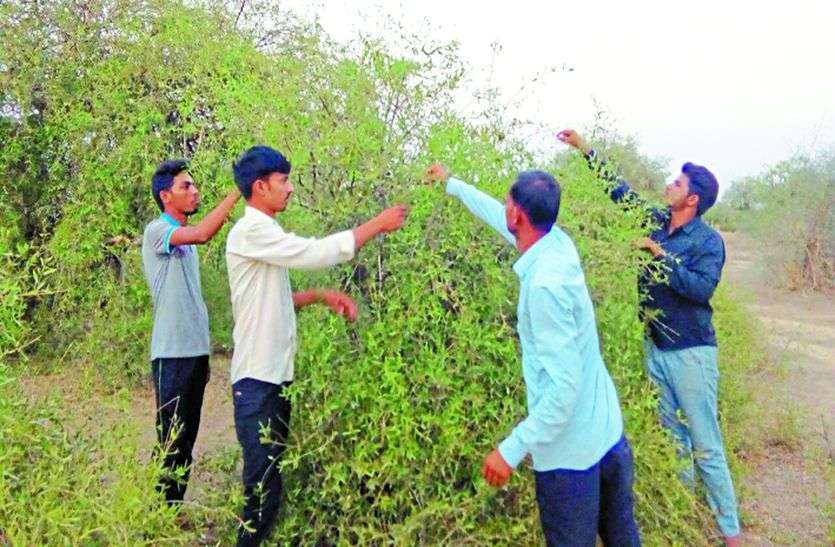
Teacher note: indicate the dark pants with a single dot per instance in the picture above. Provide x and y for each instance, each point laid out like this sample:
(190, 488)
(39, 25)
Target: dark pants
(262, 422)
(179, 384)
(574, 506)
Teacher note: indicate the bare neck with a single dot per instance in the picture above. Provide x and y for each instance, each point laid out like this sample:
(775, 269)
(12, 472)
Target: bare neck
(680, 217)
(526, 237)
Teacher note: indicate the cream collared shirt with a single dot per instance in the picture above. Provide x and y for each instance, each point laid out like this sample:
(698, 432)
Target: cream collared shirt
(259, 254)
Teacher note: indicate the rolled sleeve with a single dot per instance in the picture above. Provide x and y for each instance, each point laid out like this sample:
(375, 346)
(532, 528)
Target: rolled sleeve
(483, 206)
(560, 374)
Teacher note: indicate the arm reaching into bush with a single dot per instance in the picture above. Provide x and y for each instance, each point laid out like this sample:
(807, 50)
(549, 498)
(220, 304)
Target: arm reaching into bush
(697, 278)
(560, 377)
(618, 188)
(488, 209)
(339, 302)
(389, 220)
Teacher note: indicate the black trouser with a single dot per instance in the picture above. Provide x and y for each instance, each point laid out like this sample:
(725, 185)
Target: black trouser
(262, 422)
(179, 384)
(576, 506)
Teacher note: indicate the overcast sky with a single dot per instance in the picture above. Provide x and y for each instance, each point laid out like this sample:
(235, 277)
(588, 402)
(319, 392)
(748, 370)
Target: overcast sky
(734, 85)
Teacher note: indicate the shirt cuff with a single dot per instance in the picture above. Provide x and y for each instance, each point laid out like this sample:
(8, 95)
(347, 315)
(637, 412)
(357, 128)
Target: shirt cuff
(668, 260)
(512, 451)
(347, 244)
(454, 186)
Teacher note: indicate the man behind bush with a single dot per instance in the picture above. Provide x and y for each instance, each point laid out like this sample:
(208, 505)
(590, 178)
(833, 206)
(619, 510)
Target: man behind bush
(259, 255)
(180, 335)
(574, 429)
(681, 352)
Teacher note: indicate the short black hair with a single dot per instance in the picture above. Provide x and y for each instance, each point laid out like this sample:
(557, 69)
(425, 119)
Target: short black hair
(163, 178)
(255, 163)
(703, 184)
(538, 194)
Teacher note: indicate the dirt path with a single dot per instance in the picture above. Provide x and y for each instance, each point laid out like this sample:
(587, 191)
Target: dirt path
(217, 428)
(789, 492)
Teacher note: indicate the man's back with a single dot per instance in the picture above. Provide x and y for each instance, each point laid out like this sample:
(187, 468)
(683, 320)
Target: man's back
(558, 334)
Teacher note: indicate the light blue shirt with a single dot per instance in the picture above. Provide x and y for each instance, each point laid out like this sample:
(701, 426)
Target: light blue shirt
(574, 416)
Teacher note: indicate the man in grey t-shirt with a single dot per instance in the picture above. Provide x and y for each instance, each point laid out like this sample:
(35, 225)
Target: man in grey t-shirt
(180, 336)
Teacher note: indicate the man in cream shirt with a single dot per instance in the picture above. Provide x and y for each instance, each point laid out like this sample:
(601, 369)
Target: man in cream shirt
(259, 254)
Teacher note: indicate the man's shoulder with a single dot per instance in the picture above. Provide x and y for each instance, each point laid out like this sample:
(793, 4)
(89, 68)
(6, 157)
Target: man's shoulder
(561, 254)
(155, 224)
(709, 235)
(153, 233)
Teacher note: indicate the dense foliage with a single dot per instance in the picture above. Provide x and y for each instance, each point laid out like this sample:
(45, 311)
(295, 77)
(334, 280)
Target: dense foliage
(393, 415)
(790, 208)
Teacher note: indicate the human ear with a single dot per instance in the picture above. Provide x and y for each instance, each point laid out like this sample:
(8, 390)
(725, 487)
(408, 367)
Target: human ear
(693, 200)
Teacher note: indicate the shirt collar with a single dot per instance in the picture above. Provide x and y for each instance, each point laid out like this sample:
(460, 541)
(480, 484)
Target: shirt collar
(524, 262)
(689, 227)
(256, 214)
(170, 220)
(692, 225)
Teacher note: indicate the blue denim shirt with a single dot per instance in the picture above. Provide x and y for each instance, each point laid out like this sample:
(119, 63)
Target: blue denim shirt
(694, 255)
(574, 417)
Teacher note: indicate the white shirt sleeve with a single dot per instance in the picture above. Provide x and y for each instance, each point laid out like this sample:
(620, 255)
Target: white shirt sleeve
(269, 243)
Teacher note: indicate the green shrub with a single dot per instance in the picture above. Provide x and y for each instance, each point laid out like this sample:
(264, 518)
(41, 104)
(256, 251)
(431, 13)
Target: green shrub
(790, 210)
(64, 487)
(393, 415)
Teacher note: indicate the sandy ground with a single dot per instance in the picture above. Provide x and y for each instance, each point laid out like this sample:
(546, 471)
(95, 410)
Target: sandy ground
(786, 493)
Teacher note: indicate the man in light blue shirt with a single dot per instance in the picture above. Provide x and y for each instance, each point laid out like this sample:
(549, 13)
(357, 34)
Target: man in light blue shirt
(574, 429)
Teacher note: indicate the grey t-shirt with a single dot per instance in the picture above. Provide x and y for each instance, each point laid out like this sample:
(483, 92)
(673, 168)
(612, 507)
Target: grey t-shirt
(181, 322)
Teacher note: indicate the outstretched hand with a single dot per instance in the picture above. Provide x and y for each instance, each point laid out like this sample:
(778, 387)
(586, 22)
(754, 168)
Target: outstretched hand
(572, 138)
(392, 218)
(341, 304)
(436, 173)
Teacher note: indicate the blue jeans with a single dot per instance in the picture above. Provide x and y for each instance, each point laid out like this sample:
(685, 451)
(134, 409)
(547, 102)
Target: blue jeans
(574, 506)
(262, 423)
(687, 381)
(179, 384)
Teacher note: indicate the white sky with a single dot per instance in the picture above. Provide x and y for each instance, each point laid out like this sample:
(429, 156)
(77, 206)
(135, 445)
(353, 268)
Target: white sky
(735, 85)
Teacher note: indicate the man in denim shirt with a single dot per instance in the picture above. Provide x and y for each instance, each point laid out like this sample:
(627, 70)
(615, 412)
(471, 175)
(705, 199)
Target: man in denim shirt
(574, 428)
(681, 353)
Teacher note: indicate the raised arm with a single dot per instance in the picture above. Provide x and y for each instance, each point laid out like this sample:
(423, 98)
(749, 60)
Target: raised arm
(617, 187)
(483, 206)
(204, 230)
(268, 242)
